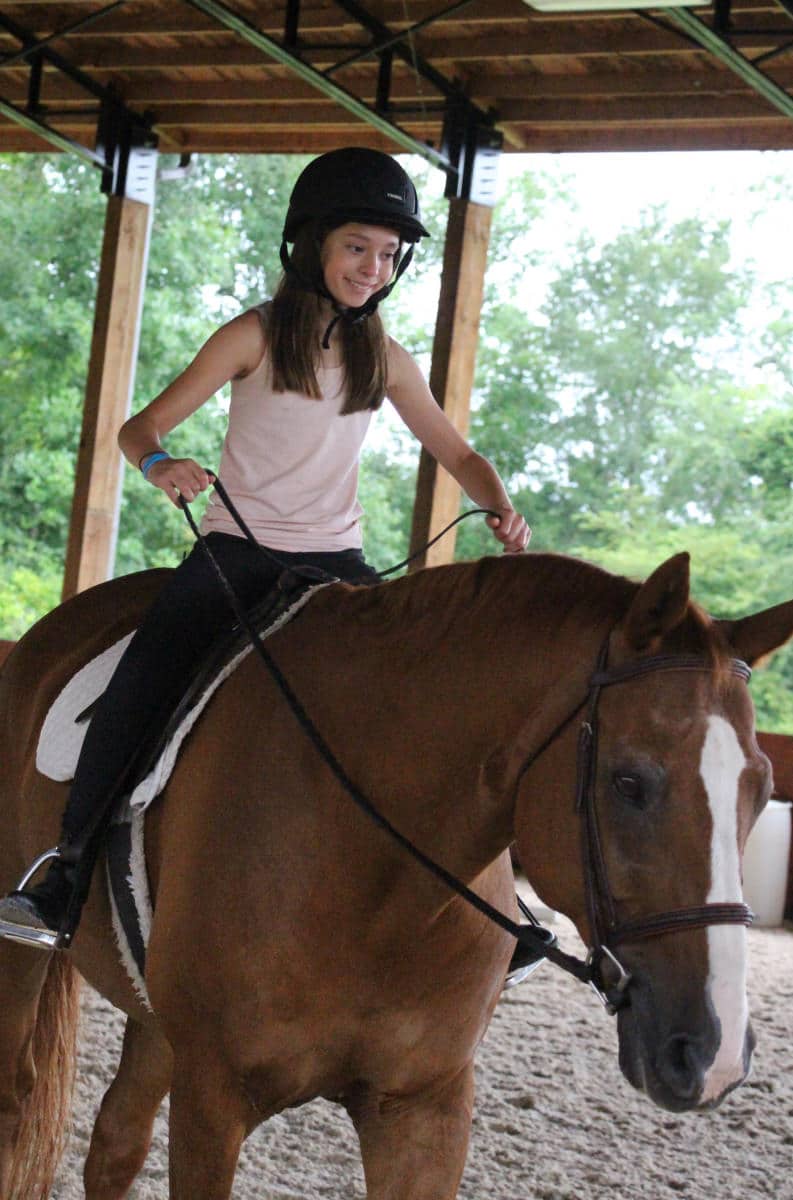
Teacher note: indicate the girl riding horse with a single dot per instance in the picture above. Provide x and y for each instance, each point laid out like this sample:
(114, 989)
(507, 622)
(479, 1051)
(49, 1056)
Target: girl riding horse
(307, 370)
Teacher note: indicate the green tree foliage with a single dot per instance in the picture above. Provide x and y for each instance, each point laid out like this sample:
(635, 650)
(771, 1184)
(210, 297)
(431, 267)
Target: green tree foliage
(616, 417)
(213, 251)
(45, 326)
(618, 361)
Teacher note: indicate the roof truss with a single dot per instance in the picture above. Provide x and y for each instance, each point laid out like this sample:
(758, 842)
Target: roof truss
(449, 79)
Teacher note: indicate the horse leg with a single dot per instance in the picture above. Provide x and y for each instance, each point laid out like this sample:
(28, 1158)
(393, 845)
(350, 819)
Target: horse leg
(39, 1010)
(209, 1119)
(123, 1128)
(414, 1146)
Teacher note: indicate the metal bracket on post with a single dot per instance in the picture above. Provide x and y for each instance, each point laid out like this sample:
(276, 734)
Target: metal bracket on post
(36, 64)
(141, 173)
(113, 114)
(722, 17)
(475, 148)
(292, 25)
(383, 100)
(130, 153)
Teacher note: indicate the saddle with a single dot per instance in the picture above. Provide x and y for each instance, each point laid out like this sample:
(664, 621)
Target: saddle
(67, 721)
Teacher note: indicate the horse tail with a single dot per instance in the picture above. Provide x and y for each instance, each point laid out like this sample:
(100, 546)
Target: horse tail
(47, 1109)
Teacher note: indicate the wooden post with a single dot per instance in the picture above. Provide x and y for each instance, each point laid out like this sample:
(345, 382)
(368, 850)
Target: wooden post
(779, 748)
(452, 373)
(111, 373)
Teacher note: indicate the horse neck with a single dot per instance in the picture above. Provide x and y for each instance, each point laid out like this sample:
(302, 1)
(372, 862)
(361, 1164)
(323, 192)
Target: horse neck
(475, 664)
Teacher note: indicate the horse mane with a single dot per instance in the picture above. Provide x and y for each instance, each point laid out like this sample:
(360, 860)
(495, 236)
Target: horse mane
(534, 583)
(554, 587)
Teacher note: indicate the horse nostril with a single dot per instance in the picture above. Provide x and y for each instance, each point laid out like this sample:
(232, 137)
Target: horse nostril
(680, 1065)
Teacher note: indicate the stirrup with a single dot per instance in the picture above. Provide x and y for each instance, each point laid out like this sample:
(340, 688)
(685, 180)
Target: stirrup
(521, 974)
(36, 866)
(29, 935)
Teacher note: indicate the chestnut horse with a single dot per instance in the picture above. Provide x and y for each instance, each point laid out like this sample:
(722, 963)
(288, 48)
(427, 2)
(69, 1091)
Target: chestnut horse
(297, 951)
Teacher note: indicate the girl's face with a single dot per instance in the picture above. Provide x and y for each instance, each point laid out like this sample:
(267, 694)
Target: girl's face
(357, 260)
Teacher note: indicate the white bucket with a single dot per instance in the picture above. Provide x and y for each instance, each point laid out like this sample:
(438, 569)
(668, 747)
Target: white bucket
(765, 864)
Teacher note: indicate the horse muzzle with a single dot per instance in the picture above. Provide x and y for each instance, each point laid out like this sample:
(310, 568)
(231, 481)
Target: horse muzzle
(680, 1066)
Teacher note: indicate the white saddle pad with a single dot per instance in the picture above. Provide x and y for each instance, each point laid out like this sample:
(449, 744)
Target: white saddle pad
(61, 737)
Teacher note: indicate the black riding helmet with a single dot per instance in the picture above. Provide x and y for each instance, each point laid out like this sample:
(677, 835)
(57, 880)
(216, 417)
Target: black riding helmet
(354, 184)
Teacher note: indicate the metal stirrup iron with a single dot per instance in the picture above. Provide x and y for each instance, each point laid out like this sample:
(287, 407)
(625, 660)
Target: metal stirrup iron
(29, 935)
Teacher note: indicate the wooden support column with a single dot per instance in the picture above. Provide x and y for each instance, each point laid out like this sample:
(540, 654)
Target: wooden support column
(94, 521)
(779, 748)
(452, 372)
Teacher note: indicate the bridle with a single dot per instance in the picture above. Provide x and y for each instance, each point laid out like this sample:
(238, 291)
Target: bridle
(605, 929)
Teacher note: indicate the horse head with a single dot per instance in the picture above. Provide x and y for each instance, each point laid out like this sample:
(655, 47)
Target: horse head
(652, 876)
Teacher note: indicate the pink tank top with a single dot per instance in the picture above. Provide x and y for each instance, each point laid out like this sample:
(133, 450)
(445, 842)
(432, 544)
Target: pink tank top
(290, 465)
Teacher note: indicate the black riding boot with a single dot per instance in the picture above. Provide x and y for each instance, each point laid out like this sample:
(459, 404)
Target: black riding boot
(42, 905)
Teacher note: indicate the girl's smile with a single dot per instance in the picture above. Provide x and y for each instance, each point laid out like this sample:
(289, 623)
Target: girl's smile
(357, 261)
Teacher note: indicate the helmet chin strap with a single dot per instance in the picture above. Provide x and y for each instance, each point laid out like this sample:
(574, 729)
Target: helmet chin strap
(331, 326)
(353, 315)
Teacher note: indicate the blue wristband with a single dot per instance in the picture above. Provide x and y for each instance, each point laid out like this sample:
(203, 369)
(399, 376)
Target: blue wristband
(149, 461)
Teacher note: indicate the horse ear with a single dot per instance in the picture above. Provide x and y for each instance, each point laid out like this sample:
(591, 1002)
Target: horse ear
(752, 638)
(660, 603)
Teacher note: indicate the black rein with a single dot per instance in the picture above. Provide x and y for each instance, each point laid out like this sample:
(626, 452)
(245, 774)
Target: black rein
(605, 929)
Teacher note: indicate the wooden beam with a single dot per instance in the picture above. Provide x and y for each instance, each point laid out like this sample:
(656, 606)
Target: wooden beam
(779, 748)
(312, 141)
(768, 134)
(646, 110)
(245, 117)
(224, 51)
(272, 85)
(172, 20)
(603, 83)
(452, 373)
(271, 116)
(260, 85)
(114, 346)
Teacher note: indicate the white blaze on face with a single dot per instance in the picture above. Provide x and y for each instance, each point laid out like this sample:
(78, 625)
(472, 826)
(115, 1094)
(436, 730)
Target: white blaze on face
(720, 766)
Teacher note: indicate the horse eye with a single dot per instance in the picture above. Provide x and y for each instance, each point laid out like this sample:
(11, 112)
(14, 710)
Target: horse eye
(629, 788)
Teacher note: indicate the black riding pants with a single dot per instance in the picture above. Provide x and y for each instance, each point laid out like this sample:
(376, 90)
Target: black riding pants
(187, 617)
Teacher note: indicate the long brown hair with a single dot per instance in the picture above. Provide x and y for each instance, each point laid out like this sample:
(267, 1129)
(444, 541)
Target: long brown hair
(291, 328)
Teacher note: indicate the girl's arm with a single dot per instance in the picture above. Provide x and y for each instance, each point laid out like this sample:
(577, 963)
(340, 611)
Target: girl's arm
(232, 352)
(410, 394)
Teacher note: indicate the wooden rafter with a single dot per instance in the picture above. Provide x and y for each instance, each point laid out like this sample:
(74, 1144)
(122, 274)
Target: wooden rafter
(603, 73)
